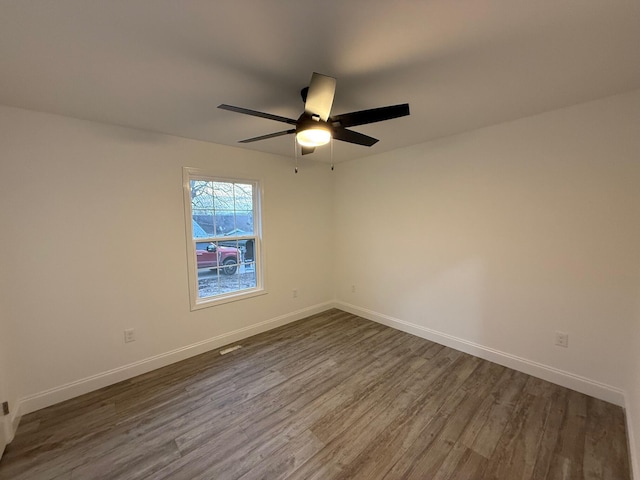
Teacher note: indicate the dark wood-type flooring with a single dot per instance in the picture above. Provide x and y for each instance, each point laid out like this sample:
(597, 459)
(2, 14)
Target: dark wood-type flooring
(333, 396)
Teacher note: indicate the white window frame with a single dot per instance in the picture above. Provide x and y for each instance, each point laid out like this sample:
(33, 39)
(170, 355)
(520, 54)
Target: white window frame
(188, 174)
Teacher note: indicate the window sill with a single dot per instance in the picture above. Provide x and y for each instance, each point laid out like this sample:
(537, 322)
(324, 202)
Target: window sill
(212, 302)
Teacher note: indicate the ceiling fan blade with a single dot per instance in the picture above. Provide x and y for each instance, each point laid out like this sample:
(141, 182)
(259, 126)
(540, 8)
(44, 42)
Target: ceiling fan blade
(255, 113)
(270, 135)
(353, 137)
(308, 150)
(320, 96)
(371, 116)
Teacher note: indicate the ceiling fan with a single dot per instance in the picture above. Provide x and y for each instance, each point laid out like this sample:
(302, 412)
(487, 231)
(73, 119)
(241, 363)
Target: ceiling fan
(315, 126)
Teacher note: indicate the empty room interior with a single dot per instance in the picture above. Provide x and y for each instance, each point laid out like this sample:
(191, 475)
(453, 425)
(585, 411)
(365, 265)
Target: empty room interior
(320, 240)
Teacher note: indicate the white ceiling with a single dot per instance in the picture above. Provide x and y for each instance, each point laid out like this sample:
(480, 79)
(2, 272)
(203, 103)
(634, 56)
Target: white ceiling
(165, 65)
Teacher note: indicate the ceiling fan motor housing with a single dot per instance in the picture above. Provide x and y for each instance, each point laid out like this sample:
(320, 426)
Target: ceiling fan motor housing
(306, 122)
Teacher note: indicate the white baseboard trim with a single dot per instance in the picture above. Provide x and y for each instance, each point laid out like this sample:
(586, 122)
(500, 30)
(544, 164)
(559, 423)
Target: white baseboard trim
(46, 398)
(554, 375)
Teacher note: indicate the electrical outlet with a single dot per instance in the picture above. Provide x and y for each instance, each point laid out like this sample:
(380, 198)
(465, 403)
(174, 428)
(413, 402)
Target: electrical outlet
(129, 335)
(295, 293)
(562, 339)
(353, 289)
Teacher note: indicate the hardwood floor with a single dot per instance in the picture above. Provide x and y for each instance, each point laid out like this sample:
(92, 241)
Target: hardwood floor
(333, 396)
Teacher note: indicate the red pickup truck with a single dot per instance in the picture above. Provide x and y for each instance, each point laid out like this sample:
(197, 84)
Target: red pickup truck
(214, 255)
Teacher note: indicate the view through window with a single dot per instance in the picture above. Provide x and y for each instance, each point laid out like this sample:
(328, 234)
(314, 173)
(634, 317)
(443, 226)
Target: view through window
(225, 238)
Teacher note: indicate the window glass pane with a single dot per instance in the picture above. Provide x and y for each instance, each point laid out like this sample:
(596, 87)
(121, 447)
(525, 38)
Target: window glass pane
(243, 194)
(218, 265)
(243, 208)
(223, 210)
(201, 194)
(244, 222)
(212, 282)
(229, 258)
(222, 196)
(202, 208)
(248, 251)
(203, 224)
(208, 284)
(247, 276)
(225, 223)
(206, 255)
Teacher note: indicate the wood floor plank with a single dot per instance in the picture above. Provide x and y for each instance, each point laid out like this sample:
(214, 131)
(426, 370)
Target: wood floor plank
(517, 449)
(284, 399)
(330, 461)
(557, 410)
(138, 461)
(287, 459)
(462, 462)
(487, 426)
(330, 397)
(568, 457)
(384, 451)
(458, 412)
(605, 451)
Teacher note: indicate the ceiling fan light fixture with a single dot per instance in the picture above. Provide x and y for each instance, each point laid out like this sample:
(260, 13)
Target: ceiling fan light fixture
(313, 137)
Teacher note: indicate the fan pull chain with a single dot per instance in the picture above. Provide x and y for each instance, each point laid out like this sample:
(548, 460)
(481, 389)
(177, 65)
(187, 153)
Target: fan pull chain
(295, 153)
(332, 154)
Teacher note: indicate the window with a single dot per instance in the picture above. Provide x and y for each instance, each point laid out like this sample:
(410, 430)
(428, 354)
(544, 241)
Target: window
(224, 236)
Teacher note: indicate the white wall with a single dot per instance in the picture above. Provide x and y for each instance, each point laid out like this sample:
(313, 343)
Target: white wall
(633, 395)
(494, 239)
(93, 242)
